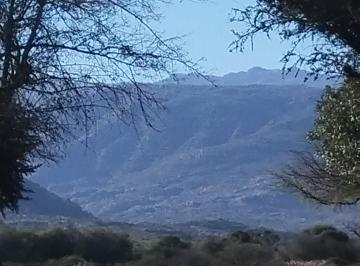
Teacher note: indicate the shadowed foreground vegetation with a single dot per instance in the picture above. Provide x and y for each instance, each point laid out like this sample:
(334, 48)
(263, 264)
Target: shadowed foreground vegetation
(320, 245)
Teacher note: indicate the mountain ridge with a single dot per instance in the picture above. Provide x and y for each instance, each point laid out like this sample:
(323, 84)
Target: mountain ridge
(253, 76)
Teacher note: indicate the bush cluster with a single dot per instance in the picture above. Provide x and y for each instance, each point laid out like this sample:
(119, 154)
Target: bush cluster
(239, 248)
(314, 246)
(322, 243)
(99, 246)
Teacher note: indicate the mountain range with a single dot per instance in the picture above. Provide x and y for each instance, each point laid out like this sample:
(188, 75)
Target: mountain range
(254, 76)
(208, 159)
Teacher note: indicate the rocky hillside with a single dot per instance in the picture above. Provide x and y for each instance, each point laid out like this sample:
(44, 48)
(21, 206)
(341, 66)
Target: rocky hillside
(208, 160)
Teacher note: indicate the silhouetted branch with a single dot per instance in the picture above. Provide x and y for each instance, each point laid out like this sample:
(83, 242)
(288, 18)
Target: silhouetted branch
(308, 176)
(324, 34)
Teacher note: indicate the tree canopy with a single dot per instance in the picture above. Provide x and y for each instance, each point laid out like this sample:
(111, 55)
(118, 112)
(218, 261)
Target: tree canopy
(332, 174)
(332, 28)
(325, 37)
(64, 64)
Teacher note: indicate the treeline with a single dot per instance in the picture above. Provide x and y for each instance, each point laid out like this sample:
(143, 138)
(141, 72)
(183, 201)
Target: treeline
(243, 248)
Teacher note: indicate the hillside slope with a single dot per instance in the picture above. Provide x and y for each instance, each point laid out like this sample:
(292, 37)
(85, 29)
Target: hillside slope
(43, 203)
(209, 160)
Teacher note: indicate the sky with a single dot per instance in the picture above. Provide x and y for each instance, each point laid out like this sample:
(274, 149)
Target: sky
(208, 34)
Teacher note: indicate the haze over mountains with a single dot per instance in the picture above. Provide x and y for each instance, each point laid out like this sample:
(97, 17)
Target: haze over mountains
(209, 160)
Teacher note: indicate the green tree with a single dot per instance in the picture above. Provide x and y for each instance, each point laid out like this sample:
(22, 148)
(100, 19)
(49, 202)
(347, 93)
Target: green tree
(64, 64)
(336, 134)
(332, 27)
(332, 175)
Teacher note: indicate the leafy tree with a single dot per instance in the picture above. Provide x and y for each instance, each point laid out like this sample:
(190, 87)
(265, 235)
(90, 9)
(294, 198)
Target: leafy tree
(336, 136)
(332, 26)
(64, 64)
(332, 176)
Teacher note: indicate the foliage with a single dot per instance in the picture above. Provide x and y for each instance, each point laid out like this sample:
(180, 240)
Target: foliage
(18, 143)
(103, 247)
(332, 28)
(248, 254)
(214, 246)
(332, 176)
(336, 133)
(95, 246)
(241, 236)
(170, 246)
(322, 242)
(325, 37)
(19, 246)
(57, 243)
(312, 246)
(183, 258)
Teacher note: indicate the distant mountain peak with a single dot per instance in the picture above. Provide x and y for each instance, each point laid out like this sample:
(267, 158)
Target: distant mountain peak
(254, 76)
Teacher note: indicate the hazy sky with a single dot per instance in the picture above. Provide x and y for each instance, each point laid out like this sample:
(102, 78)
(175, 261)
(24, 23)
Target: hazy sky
(209, 35)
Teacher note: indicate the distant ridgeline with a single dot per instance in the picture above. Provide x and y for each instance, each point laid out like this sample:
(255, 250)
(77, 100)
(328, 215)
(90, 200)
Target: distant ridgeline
(253, 76)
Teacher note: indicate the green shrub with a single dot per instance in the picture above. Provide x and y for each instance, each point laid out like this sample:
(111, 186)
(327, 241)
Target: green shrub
(322, 242)
(188, 257)
(193, 258)
(214, 246)
(10, 244)
(249, 254)
(264, 236)
(19, 246)
(57, 243)
(22, 246)
(68, 261)
(102, 246)
(260, 236)
(170, 246)
(241, 236)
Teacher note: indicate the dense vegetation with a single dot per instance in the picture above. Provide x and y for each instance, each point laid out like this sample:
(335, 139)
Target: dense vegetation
(244, 248)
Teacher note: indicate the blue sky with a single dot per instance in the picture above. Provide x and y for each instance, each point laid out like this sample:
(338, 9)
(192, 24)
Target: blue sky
(208, 31)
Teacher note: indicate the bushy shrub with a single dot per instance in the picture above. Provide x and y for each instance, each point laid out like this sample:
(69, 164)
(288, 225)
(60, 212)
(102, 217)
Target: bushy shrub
(214, 246)
(188, 257)
(68, 261)
(329, 231)
(170, 246)
(264, 236)
(103, 246)
(19, 246)
(57, 243)
(241, 236)
(249, 254)
(260, 236)
(193, 258)
(322, 242)
(97, 246)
